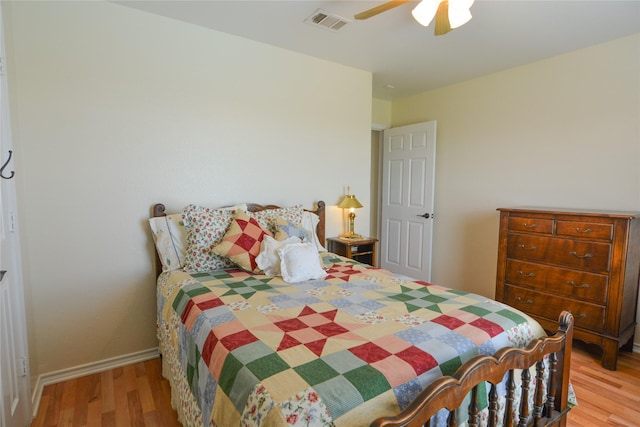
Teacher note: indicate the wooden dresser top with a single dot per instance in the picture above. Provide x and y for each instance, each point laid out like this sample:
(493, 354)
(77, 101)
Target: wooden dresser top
(573, 211)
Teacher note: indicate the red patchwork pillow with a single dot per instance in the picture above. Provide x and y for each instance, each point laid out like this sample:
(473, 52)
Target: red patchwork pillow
(241, 243)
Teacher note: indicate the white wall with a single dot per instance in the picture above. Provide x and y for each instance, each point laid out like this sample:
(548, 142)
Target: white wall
(559, 132)
(115, 109)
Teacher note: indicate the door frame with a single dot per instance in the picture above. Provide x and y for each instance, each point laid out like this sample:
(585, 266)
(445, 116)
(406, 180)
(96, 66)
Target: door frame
(12, 263)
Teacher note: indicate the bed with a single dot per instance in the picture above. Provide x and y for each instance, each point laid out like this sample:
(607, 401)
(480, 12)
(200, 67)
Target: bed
(258, 325)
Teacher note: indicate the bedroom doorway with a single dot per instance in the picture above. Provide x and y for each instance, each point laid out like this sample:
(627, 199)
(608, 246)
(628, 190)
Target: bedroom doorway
(408, 182)
(14, 363)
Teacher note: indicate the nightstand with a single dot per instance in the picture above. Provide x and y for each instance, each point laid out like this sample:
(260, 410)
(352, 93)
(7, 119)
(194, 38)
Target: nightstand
(362, 249)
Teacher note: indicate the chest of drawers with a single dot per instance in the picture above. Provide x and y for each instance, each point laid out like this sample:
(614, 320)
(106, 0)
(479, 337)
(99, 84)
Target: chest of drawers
(586, 262)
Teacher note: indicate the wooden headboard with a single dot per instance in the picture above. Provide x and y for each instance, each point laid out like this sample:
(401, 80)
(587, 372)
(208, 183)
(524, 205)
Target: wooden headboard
(158, 210)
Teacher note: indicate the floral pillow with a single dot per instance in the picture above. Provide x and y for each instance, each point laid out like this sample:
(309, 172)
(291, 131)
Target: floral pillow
(205, 229)
(267, 217)
(170, 238)
(286, 229)
(242, 242)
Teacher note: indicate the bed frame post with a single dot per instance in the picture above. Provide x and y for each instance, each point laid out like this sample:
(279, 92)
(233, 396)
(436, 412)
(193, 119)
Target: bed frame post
(320, 229)
(564, 362)
(157, 210)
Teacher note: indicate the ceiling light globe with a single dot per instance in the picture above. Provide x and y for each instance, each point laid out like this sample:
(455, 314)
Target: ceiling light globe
(425, 11)
(459, 13)
(458, 17)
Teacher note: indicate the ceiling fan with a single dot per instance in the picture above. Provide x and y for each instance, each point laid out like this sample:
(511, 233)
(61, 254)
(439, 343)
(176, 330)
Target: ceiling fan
(449, 14)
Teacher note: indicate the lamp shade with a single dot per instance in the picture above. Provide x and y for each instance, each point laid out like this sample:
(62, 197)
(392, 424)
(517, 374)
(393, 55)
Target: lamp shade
(349, 202)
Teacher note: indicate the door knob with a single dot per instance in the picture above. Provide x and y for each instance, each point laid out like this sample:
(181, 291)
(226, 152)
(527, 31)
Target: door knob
(426, 215)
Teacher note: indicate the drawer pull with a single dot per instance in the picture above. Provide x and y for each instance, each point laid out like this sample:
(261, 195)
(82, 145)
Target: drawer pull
(520, 272)
(519, 299)
(575, 285)
(532, 248)
(580, 230)
(575, 254)
(578, 316)
(530, 226)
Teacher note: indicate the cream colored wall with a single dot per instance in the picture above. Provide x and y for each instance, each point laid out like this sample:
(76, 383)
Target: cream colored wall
(560, 132)
(114, 110)
(380, 114)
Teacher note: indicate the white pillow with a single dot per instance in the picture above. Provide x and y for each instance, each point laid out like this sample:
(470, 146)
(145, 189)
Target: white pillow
(268, 259)
(170, 238)
(300, 262)
(310, 222)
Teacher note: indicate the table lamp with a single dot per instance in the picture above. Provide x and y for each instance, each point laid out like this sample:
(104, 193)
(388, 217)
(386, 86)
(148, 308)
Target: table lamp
(350, 202)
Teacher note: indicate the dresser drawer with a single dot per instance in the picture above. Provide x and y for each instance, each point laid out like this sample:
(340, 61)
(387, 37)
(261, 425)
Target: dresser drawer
(531, 225)
(587, 316)
(585, 230)
(590, 256)
(561, 281)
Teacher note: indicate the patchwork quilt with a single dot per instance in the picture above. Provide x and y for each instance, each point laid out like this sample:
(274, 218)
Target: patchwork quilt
(249, 350)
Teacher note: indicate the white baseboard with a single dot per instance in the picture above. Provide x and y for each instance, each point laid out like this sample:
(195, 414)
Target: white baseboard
(88, 369)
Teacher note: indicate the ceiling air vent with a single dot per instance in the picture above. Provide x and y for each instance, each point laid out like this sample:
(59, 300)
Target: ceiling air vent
(324, 19)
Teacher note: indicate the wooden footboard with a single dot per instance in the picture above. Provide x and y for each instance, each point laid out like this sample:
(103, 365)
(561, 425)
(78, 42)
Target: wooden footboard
(450, 391)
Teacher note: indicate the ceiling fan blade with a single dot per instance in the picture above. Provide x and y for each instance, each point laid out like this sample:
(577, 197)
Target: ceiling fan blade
(379, 9)
(442, 19)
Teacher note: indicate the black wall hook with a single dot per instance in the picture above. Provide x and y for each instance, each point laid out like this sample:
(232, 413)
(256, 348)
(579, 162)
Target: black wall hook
(4, 166)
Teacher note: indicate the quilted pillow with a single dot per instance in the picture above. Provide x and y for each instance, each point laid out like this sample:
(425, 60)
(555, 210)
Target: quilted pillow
(170, 238)
(267, 217)
(268, 259)
(286, 229)
(205, 228)
(241, 244)
(300, 262)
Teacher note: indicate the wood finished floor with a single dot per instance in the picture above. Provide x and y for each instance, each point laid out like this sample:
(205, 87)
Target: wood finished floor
(134, 395)
(605, 398)
(137, 395)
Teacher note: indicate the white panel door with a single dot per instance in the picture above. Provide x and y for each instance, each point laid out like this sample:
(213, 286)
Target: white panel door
(408, 180)
(14, 379)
